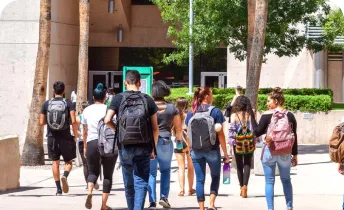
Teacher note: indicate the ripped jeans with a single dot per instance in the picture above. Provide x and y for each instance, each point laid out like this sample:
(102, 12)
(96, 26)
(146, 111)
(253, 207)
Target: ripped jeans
(269, 164)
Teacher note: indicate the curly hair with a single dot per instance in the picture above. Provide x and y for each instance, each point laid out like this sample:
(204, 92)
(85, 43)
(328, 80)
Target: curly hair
(242, 104)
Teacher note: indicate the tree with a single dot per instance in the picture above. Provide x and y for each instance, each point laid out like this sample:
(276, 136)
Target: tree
(333, 27)
(256, 51)
(33, 153)
(84, 15)
(230, 23)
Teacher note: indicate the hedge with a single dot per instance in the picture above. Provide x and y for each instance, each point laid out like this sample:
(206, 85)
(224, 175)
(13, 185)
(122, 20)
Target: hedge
(264, 91)
(311, 103)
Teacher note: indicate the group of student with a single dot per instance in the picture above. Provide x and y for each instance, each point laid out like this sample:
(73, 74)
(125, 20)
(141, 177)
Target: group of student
(148, 130)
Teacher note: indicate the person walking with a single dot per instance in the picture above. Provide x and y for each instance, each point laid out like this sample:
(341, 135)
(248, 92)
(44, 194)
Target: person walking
(167, 117)
(81, 145)
(239, 91)
(277, 115)
(205, 143)
(57, 113)
(182, 105)
(91, 117)
(138, 134)
(240, 135)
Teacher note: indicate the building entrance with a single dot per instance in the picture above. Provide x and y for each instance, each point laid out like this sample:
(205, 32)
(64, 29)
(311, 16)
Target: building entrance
(111, 79)
(214, 79)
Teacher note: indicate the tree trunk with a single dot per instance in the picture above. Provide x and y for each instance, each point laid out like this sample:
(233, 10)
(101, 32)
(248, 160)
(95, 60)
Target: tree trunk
(33, 153)
(257, 51)
(251, 8)
(84, 15)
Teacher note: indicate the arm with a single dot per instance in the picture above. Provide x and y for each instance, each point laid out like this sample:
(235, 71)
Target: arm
(42, 120)
(221, 136)
(178, 127)
(263, 125)
(108, 119)
(294, 124)
(155, 128)
(74, 124)
(85, 139)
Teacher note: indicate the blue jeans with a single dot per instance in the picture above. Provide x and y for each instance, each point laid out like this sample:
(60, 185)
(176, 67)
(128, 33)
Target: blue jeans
(164, 151)
(199, 160)
(135, 168)
(269, 164)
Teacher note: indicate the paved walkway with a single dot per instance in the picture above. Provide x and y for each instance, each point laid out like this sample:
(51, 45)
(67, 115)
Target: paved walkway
(317, 186)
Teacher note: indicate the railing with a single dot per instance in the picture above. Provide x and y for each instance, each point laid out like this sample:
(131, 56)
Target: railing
(317, 31)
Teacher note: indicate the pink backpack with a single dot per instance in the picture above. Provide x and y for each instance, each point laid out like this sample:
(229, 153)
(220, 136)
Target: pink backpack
(281, 133)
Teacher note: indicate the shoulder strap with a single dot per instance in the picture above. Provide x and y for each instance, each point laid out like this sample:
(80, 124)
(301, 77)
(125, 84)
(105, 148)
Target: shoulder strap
(210, 109)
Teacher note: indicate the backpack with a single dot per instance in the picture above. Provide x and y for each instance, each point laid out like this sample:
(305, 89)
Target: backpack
(134, 121)
(57, 115)
(336, 146)
(201, 130)
(244, 140)
(281, 133)
(107, 146)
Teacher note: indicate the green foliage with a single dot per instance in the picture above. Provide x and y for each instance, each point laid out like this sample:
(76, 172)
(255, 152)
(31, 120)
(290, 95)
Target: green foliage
(311, 99)
(334, 26)
(225, 22)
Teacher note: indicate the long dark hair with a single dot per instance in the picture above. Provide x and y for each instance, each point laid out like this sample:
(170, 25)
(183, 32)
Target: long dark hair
(199, 97)
(242, 104)
(182, 106)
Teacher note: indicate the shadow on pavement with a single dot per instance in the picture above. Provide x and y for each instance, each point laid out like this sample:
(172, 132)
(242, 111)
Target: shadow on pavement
(21, 189)
(305, 164)
(312, 149)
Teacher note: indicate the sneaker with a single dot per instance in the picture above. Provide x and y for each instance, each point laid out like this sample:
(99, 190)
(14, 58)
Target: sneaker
(152, 205)
(164, 203)
(88, 203)
(58, 192)
(65, 186)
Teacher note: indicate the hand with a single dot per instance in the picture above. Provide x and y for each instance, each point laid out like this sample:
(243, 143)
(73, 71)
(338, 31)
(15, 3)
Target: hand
(294, 161)
(340, 168)
(227, 159)
(85, 152)
(153, 155)
(268, 140)
(75, 138)
(231, 151)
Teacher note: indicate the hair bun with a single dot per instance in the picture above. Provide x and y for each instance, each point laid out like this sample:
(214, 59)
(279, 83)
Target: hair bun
(278, 90)
(100, 86)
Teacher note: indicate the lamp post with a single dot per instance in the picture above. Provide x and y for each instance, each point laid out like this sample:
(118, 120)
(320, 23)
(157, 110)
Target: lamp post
(191, 50)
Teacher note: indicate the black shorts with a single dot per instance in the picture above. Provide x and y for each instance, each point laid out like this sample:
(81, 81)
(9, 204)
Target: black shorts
(64, 146)
(181, 150)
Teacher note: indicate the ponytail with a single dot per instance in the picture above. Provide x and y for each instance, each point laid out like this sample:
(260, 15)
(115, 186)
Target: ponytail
(199, 97)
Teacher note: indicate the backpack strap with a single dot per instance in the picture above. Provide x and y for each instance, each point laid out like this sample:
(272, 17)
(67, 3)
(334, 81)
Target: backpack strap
(210, 109)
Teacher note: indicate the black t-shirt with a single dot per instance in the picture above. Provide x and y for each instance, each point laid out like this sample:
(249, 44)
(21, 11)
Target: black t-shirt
(117, 99)
(63, 133)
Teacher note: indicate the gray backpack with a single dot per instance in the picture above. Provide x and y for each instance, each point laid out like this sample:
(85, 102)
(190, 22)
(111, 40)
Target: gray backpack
(107, 145)
(201, 130)
(57, 115)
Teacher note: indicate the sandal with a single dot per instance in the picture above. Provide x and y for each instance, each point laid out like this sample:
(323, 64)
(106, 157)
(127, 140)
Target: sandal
(181, 193)
(107, 208)
(88, 203)
(191, 192)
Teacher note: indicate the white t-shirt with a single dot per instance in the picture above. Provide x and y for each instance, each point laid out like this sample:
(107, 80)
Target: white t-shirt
(73, 97)
(91, 116)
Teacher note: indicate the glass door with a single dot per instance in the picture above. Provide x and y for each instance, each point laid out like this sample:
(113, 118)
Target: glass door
(214, 79)
(117, 81)
(96, 77)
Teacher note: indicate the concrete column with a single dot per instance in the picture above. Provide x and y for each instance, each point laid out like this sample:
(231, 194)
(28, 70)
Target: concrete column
(319, 79)
(342, 77)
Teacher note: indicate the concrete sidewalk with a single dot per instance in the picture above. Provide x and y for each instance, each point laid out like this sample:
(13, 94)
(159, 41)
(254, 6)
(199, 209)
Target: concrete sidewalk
(317, 186)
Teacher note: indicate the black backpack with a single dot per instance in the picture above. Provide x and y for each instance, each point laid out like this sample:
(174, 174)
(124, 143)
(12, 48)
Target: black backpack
(134, 121)
(58, 115)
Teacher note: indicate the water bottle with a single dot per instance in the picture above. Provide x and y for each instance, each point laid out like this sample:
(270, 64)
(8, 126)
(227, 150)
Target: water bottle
(179, 144)
(227, 173)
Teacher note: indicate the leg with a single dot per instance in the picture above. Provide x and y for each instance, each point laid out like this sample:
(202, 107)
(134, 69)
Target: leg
(164, 155)
(191, 173)
(199, 163)
(55, 154)
(269, 166)
(84, 161)
(141, 175)
(213, 159)
(68, 151)
(153, 170)
(108, 168)
(247, 168)
(240, 167)
(181, 171)
(126, 155)
(56, 170)
(284, 164)
(93, 161)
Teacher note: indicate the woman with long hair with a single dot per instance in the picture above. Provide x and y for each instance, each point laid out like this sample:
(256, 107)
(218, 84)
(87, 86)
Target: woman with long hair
(91, 117)
(167, 117)
(241, 135)
(284, 162)
(184, 153)
(202, 100)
